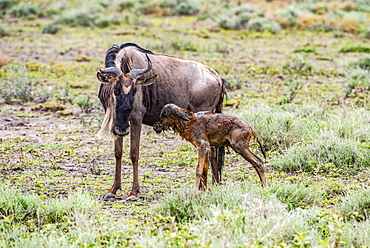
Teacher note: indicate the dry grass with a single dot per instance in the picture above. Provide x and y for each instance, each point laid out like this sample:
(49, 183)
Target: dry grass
(3, 59)
(309, 20)
(350, 25)
(347, 5)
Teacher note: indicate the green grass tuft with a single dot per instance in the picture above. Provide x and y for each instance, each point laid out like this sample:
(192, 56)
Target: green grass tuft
(355, 49)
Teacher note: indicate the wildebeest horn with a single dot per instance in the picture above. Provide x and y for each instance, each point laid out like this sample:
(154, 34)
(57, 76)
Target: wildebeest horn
(137, 72)
(115, 70)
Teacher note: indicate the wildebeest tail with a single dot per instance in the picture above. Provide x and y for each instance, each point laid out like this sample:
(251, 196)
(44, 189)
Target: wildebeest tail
(220, 150)
(104, 96)
(222, 95)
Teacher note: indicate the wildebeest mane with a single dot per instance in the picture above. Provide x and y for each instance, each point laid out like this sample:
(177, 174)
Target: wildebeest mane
(112, 52)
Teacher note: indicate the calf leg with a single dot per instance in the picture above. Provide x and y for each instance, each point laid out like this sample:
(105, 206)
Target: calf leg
(254, 160)
(202, 159)
(203, 185)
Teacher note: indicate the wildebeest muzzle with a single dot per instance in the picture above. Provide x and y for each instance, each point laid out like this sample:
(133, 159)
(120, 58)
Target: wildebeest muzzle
(118, 130)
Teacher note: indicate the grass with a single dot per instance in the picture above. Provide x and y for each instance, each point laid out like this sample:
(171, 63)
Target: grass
(355, 49)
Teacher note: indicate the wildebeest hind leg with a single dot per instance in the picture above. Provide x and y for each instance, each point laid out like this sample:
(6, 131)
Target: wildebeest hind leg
(216, 170)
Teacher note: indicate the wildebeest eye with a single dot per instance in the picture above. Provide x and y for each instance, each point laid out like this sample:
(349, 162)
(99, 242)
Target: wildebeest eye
(116, 91)
(165, 113)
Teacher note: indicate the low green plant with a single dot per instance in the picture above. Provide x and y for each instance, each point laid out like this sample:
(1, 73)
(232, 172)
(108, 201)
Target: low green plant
(86, 103)
(306, 49)
(355, 49)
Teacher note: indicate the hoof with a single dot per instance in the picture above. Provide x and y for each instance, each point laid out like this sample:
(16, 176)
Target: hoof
(132, 198)
(109, 196)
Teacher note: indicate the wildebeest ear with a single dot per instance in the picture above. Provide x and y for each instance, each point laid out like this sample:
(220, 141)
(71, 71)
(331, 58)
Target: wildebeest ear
(102, 77)
(145, 81)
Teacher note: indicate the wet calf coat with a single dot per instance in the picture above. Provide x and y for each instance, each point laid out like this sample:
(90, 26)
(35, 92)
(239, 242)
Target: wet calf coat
(206, 129)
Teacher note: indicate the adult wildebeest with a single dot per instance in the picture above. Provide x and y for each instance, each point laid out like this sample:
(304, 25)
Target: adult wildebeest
(132, 96)
(206, 129)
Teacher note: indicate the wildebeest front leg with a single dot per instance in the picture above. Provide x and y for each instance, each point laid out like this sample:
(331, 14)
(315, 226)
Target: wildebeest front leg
(134, 155)
(118, 143)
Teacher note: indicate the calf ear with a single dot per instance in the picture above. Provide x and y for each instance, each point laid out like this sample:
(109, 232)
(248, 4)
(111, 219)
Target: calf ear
(102, 77)
(145, 81)
(182, 116)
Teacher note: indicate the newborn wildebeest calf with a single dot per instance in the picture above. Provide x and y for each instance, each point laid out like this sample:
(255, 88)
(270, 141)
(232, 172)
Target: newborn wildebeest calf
(206, 129)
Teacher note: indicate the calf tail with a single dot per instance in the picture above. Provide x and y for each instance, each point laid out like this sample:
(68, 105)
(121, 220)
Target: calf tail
(259, 141)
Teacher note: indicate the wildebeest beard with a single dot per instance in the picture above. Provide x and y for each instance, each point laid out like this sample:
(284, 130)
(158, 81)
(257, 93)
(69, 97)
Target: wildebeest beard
(124, 105)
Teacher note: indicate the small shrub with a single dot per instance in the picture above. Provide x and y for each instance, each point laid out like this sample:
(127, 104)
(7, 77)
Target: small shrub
(261, 24)
(77, 17)
(287, 16)
(356, 205)
(103, 22)
(313, 22)
(228, 17)
(126, 5)
(187, 8)
(345, 154)
(51, 29)
(358, 82)
(297, 65)
(295, 196)
(6, 4)
(3, 31)
(25, 10)
(366, 32)
(17, 87)
(184, 46)
(178, 7)
(365, 64)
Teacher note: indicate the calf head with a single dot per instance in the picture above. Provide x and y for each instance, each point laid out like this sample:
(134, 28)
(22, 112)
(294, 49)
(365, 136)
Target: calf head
(169, 116)
(123, 90)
